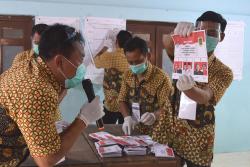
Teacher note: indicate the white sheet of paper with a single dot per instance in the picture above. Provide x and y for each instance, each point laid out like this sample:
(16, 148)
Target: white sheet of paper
(95, 29)
(187, 109)
(190, 56)
(232, 53)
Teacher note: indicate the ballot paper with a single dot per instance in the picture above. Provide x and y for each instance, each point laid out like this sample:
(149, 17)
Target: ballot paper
(161, 150)
(132, 150)
(187, 109)
(108, 145)
(101, 136)
(106, 142)
(109, 151)
(191, 56)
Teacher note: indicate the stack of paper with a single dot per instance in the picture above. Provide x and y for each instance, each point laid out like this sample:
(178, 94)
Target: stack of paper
(161, 150)
(101, 136)
(132, 150)
(109, 145)
(106, 142)
(109, 151)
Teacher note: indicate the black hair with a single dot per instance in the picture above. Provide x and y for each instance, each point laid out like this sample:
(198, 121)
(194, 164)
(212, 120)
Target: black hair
(136, 43)
(38, 28)
(122, 37)
(214, 17)
(58, 39)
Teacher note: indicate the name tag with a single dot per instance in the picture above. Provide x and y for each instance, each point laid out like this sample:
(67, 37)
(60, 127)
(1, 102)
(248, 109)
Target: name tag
(136, 111)
(187, 109)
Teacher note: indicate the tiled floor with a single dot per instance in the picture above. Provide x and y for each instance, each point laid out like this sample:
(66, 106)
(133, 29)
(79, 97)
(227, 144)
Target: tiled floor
(241, 159)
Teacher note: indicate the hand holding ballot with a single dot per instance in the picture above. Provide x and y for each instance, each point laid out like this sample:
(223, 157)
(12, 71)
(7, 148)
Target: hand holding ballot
(184, 29)
(185, 82)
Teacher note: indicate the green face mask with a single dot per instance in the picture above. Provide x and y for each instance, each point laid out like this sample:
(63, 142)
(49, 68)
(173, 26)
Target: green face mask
(77, 79)
(139, 68)
(35, 49)
(211, 43)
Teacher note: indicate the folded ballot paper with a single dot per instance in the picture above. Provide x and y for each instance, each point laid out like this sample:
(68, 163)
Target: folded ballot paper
(109, 145)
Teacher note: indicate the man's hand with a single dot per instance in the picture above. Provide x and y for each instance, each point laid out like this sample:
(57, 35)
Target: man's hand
(92, 111)
(185, 82)
(148, 118)
(128, 125)
(184, 29)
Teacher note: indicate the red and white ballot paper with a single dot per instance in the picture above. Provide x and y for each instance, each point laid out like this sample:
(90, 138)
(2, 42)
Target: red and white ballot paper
(108, 145)
(190, 56)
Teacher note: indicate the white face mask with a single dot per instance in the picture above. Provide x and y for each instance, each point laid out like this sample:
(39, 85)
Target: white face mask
(77, 79)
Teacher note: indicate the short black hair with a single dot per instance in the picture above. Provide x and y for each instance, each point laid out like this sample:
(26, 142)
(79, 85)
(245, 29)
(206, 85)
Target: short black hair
(58, 39)
(136, 43)
(38, 28)
(122, 37)
(214, 17)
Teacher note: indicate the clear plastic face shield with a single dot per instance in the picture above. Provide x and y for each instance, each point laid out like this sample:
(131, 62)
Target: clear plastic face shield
(212, 29)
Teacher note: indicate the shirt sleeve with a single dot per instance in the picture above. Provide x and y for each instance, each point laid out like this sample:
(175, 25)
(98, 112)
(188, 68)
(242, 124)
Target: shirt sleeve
(219, 82)
(123, 95)
(35, 117)
(104, 60)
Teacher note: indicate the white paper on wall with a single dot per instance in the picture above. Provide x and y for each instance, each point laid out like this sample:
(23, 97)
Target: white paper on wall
(230, 50)
(95, 30)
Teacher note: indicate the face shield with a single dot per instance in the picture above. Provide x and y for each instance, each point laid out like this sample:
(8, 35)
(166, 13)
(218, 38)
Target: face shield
(213, 33)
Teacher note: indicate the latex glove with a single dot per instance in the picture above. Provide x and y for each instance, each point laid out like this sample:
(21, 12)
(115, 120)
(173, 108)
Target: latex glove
(108, 43)
(111, 34)
(129, 125)
(185, 82)
(148, 118)
(91, 112)
(184, 28)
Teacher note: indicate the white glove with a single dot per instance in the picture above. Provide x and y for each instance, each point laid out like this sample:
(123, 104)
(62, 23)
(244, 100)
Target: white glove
(129, 125)
(108, 43)
(111, 34)
(184, 28)
(185, 82)
(91, 112)
(148, 118)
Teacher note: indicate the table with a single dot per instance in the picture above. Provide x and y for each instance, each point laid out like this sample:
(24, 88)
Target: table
(84, 154)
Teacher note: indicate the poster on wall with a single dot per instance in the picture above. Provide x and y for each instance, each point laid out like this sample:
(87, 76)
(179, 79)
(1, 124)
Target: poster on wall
(230, 50)
(191, 56)
(95, 30)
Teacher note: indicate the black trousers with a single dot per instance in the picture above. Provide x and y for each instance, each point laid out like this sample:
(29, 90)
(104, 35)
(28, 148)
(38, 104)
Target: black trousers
(112, 117)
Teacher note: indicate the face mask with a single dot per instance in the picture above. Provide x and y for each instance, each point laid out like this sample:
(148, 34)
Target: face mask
(35, 49)
(77, 79)
(211, 43)
(138, 69)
